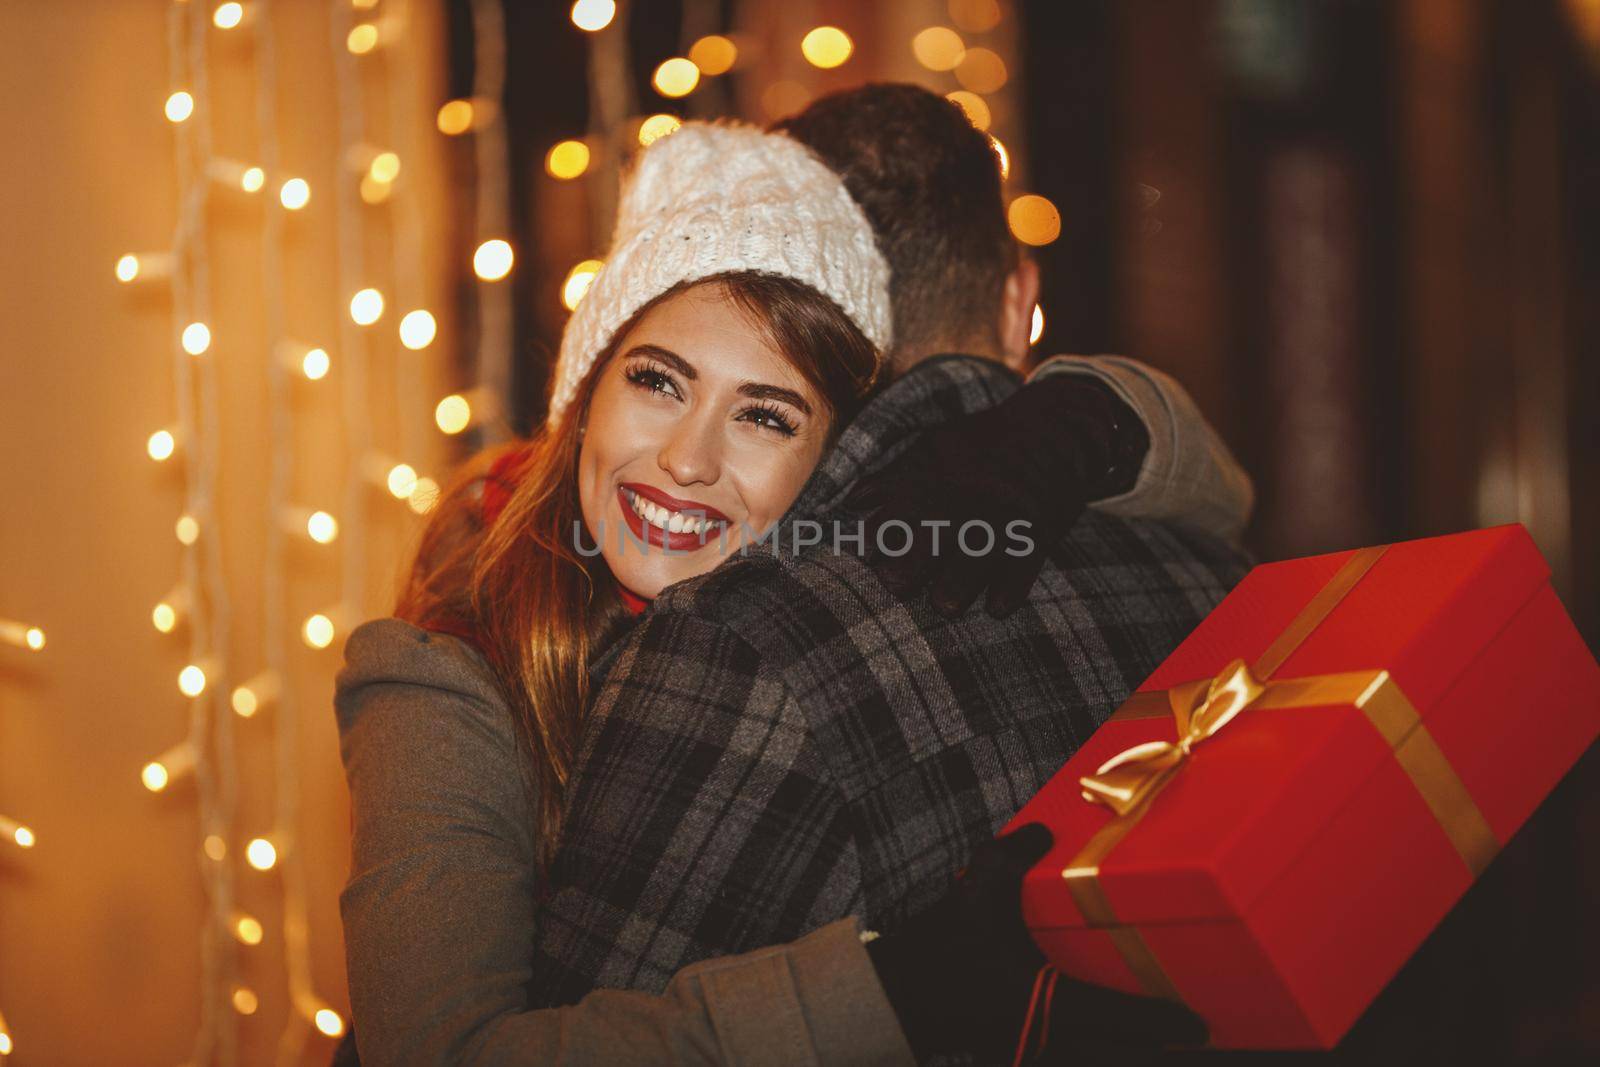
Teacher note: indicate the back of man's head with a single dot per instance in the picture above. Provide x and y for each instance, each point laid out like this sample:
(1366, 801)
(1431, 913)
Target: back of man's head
(929, 182)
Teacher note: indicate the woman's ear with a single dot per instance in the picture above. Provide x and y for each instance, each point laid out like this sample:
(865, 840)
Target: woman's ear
(1017, 301)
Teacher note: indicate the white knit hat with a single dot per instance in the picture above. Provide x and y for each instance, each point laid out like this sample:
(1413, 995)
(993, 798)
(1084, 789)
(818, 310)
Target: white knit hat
(713, 198)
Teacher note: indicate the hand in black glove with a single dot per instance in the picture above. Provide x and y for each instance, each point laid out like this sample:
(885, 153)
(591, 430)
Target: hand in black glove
(1041, 456)
(960, 974)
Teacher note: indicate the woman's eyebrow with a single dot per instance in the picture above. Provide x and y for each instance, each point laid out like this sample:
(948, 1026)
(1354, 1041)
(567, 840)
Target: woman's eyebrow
(757, 391)
(753, 390)
(665, 355)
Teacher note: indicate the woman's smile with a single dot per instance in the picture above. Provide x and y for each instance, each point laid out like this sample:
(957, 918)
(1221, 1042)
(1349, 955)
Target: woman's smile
(664, 520)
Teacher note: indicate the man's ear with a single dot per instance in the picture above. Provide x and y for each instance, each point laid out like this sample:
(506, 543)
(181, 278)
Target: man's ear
(1017, 301)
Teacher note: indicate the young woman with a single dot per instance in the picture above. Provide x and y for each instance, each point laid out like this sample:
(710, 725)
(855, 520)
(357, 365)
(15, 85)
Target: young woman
(737, 326)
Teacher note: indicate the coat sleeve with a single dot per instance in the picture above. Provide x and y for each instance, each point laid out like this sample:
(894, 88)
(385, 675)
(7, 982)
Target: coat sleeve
(703, 821)
(1189, 476)
(439, 908)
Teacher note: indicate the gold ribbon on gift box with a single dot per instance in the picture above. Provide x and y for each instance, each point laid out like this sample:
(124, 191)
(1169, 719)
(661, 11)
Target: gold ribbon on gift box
(1131, 780)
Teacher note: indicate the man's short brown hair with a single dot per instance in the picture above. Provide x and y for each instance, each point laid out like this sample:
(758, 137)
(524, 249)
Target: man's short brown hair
(929, 183)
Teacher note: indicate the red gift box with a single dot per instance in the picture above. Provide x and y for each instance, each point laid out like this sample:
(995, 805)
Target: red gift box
(1277, 818)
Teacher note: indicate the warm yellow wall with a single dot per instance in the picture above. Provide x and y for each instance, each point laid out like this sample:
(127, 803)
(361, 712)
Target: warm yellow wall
(99, 924)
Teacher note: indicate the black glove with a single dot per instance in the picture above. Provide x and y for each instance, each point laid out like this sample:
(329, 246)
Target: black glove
(960, 975)
(1041, 456)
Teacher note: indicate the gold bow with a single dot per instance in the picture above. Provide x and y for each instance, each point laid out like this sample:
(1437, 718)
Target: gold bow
(1127, 779)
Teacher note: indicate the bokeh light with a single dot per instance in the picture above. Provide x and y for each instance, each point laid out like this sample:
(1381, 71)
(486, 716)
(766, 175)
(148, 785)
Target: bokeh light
(981, 71)
(247, 928)
(676, 77)
(192, 681)
(454, 118)
(452, 414)
(423, 496)
(294, 194)
(656, 127)
(196, 338)
(826, 47)
(180, 105)
(317, 631)
(417, 330)
(714, 54)
(938, 48)
(578, 280)
(493, 259)
(322, 528)
(374, 191)
(385, 167)
(593, 15)
(567, 160)
(362, 39)
(1034, 220)
(161, 445)
(154, 776)
(261, 854)
(366, 307)
(314, 365)
(401, 481)
(245, 703)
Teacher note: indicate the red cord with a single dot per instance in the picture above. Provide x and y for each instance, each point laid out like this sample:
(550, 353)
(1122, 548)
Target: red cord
(1044, 983)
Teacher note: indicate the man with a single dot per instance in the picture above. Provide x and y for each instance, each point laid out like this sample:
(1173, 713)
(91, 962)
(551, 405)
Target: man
(785, 741)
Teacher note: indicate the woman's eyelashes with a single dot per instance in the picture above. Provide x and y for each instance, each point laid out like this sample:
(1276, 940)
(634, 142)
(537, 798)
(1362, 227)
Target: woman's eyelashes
(656, 380)
(652, 378)
(770, 417)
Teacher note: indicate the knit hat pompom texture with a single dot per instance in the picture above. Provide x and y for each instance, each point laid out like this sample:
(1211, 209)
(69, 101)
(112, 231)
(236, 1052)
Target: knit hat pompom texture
(713, 198)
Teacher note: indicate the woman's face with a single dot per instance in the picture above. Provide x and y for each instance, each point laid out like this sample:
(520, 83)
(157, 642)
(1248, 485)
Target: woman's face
(699, 436)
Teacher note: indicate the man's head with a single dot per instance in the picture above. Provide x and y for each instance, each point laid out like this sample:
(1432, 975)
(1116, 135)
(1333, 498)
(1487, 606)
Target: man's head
(929, 183)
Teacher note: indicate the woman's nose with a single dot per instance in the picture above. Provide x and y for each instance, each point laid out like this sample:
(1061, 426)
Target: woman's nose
(693, 451)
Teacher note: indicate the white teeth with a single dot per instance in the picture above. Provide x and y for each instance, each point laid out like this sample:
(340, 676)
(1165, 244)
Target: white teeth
(670, 521)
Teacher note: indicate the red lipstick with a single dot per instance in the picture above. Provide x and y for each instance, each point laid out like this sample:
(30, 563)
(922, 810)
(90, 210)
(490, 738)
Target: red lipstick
(650, 533)
(672, 503)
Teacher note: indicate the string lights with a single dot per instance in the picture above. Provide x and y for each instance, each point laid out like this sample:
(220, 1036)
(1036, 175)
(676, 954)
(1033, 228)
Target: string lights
(205, 755)
(197, 605)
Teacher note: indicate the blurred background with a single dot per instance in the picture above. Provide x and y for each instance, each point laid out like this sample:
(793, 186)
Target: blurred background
(271, 268)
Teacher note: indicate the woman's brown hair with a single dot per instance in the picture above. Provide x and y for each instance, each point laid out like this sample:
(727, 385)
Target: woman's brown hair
(518, 587)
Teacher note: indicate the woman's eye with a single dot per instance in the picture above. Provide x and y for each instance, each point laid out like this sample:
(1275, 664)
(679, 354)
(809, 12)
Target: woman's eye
(770, 418)
(652, 380)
